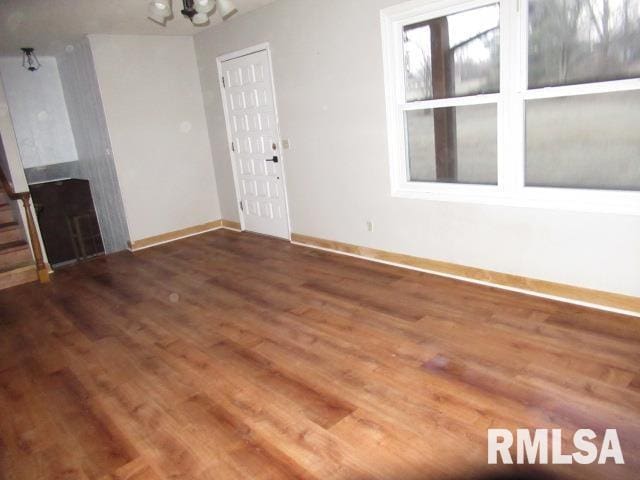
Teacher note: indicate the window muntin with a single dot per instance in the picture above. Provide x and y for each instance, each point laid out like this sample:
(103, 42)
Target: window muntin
(470, 157)
(453, 56)
(582, 41)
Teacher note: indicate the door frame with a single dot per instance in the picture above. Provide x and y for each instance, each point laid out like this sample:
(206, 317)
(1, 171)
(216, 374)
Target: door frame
(231, 56)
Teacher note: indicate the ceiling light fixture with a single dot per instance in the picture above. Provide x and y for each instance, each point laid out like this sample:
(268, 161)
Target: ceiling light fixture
(197, 11)
(29, 59)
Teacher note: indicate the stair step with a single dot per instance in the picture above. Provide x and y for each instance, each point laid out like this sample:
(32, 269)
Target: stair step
(13, 254)
(6, 213)
(12, 246)
(10, 232)
(19, 275)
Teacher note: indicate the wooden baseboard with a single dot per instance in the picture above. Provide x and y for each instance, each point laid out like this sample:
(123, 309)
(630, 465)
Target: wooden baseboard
(596, 298)
(183, 233)
(231, 225)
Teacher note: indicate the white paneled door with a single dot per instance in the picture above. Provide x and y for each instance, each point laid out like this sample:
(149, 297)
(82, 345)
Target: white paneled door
(255, 144)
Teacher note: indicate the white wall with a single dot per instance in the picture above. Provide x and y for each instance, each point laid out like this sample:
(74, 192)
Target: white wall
(329, 80)
(154, 111)
(38, 111)
(10, 161)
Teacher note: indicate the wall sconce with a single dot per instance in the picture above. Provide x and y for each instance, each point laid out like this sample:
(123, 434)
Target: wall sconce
(29, 59)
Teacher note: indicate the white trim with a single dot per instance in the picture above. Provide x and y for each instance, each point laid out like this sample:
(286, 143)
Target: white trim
(225, 109)
(243, 52)
(510, 139)
(511, 189)
(565, 199)
(477, 282)
(416, 11)
(583, 89)
(451, 102)
(389, 62)
(231, 56)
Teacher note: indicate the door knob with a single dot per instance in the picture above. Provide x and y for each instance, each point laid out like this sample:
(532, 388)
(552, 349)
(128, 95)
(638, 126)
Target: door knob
(274, 159)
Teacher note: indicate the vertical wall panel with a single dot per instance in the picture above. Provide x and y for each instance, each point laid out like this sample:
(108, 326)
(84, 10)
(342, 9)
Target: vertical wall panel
(86, 113)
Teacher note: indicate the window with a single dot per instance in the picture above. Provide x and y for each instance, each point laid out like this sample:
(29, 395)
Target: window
(585, 137)
(584, 141)
(582, 41)
(454, 55)
(453, 144)
(529, 102)
(446, 58)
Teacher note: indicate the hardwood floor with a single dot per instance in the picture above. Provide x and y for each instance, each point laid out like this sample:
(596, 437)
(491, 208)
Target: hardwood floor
(231, 355)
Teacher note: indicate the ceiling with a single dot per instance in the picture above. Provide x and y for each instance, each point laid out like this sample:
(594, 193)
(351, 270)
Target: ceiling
(50, 25)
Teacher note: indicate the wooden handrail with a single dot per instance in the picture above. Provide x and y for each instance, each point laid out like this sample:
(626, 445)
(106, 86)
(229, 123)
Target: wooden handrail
(25, 197)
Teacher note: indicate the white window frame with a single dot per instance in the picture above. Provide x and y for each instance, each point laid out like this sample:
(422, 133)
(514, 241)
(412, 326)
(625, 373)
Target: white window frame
(514, 92)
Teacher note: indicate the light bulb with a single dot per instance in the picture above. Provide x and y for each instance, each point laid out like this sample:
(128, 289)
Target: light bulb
(155, 16)
(227, 8)
(200, 19)
(204, 6)
(161, 8)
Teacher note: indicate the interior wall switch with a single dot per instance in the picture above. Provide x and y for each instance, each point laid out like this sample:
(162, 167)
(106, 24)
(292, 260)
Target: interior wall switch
(285, 144)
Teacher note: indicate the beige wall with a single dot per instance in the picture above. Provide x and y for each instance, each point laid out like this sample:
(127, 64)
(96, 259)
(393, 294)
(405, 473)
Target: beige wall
(329, 80)
(154, 111)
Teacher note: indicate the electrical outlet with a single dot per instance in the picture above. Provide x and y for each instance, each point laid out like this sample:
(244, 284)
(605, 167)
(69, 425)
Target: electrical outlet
(285, 144)
(369, 225)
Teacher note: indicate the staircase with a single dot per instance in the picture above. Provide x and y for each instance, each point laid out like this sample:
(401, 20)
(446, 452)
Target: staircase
(16, 262)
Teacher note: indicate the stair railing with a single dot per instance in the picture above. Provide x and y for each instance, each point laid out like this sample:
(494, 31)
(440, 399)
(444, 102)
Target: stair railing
(25, 197)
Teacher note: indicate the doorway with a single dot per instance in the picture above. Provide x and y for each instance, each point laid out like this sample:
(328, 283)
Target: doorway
(66, 157)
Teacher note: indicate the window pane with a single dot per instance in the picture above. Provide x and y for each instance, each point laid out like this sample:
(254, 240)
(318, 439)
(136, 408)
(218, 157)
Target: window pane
(453, 144)
(587, 141)
(581, 41)
(453, 56)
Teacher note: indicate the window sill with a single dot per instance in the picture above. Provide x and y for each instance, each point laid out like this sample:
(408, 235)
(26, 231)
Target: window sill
(590, 201)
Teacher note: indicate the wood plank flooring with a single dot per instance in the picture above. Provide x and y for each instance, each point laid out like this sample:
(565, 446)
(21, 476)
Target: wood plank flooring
(236, 356)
